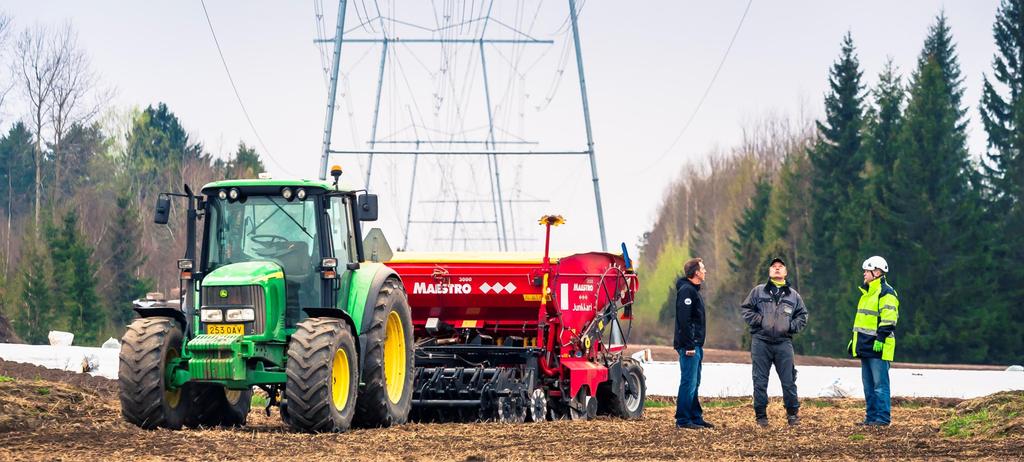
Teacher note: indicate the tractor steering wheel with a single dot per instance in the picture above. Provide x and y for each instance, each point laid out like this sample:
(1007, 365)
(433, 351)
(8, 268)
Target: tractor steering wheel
(267, 240)
(273, 245)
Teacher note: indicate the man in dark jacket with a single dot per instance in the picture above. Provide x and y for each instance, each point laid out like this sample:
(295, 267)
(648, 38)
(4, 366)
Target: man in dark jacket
(774, 311)
(689, 342)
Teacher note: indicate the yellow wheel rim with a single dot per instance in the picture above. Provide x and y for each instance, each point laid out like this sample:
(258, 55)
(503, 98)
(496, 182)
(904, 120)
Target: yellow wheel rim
(171, 397)
(394, 357)
(232, 396)
(340, 379)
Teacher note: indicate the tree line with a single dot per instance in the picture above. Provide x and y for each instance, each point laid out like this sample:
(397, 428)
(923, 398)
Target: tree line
(78, 178)
(886, 171)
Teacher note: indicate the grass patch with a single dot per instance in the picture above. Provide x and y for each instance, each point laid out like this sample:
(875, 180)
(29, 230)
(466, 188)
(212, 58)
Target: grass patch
(819, 403)
(725, 403)
(657, 404)
(911, 404)
(259, 401)
(4, 378)
(993, 416)
(43, 391)
(967, 424)
(856, 437)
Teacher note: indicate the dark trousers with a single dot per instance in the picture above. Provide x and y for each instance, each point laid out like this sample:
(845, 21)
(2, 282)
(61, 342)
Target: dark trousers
(688, 410)
(762, 356)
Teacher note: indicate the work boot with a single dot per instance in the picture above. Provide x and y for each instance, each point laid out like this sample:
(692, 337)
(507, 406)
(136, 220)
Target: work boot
(792, 418)
(761, 414)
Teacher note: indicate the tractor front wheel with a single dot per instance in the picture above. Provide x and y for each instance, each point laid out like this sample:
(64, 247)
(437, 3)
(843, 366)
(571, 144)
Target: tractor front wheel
(322, 376)
(147, 349)
(386, 398)
(214, 405)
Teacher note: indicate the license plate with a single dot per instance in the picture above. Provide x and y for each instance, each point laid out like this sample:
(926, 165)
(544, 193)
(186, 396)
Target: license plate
(225, 329)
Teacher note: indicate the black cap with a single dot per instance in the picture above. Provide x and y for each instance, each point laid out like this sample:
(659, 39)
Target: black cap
(777, 259)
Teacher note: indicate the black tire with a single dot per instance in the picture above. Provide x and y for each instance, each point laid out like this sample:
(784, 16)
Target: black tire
(312, 405)
(213, 405)
(375, 408)
(146, 348)
(627, 401)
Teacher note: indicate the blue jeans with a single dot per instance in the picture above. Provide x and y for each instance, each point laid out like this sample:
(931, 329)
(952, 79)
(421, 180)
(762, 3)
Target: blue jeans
(875, 374)
(688, 410)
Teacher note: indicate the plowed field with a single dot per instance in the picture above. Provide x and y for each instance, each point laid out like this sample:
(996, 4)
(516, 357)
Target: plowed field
(53, 415)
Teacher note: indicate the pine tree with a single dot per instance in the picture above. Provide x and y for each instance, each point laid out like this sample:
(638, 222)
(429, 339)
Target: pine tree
(1002, 113)
(36, 314)
(940, 265)
(125, 260)
(746, 264)
(750, 230)
(883, 123)
(75, 280)
(837, 160)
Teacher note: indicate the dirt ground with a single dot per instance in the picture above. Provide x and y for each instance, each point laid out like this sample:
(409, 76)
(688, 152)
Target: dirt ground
(54, 415)
(711, 355)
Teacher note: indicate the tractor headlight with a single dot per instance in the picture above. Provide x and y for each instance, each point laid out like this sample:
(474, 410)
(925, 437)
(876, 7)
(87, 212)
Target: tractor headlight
(287, 194)
(301, 194)
(241, 314)
(234, 194)
(211, 315)
(222, 195)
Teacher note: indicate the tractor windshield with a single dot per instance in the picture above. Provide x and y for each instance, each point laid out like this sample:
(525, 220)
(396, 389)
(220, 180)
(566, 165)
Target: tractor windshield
(265, 228)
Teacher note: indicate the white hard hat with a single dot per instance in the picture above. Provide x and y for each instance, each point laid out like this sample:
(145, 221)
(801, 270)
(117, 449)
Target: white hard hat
(874, 263)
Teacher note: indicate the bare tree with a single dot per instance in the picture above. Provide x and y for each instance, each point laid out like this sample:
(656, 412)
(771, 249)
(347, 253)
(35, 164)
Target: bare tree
(5, 88)
(36, 69)
(5, 35)
(75, 96)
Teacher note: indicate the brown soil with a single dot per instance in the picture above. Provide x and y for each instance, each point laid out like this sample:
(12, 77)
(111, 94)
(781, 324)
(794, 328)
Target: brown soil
(79, 419)
(711, 355)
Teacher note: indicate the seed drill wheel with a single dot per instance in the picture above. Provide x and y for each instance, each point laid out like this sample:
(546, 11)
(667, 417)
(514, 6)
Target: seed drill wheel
(386, 398)
(628, 401)
(511, 409)
(322, 380)
(214, 405)
(587, 402)
(538, 406)
(148, 346)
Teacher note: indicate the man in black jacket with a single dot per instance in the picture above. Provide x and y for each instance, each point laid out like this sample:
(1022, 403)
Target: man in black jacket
(774, 311)
(689, 342)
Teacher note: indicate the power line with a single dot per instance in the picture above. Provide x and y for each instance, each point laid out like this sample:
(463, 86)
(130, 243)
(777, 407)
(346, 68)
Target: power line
(237, 95)
(707, 90)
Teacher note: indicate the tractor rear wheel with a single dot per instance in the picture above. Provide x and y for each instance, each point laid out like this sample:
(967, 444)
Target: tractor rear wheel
(628, 401)
(386, 399)
(214, 405)
(322, 376)
(147, 348)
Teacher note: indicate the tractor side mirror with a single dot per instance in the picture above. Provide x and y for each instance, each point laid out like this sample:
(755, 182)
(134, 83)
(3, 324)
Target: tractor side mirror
(366, 209)
(163, 209)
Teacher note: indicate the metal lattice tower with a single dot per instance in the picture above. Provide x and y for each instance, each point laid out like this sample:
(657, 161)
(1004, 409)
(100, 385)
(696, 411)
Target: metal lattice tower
(492, 148)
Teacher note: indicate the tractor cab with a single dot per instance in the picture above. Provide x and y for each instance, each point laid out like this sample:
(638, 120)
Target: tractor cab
(303, 231)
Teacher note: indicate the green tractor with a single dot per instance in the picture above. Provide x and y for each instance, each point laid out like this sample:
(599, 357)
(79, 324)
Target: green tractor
(280, 298)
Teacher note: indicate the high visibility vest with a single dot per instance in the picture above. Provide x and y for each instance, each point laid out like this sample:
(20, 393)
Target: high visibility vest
(878, 309)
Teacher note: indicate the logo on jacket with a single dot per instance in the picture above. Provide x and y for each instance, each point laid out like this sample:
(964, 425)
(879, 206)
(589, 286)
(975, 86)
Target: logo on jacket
(688, 301)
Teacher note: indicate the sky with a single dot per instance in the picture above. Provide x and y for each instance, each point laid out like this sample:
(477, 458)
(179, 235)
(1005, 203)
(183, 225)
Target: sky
(646, 66)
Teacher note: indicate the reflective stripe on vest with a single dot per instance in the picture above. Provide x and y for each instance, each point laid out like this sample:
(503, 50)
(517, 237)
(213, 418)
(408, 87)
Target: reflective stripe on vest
(865, 331)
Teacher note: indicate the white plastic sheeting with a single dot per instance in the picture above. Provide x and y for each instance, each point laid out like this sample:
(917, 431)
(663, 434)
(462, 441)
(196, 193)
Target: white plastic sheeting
(722, 380)
(717, 379)
(95, 361)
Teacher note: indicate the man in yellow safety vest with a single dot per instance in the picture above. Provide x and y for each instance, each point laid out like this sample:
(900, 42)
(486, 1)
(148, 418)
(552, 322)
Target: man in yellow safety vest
(874, 339)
